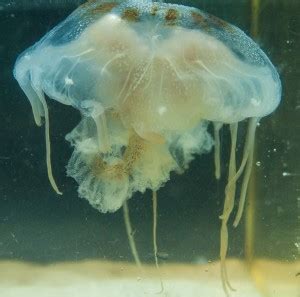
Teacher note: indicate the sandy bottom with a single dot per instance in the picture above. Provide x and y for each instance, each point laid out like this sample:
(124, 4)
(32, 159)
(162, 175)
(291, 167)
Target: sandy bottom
(106, 279)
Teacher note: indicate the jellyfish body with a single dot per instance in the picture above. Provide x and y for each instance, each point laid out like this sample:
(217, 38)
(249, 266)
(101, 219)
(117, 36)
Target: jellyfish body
(147, 78)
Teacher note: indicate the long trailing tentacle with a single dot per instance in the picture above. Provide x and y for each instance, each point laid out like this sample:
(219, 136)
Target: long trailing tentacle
(48, 143)
(154, 229)
(103, 137)
(247, 149)
(97, 112)
(250, 151)
(130, 235)
(228, 207)
(233, 176)
(217, 127)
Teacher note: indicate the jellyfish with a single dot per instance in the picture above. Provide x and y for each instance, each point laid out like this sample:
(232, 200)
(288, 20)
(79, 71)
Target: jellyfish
(148, 79)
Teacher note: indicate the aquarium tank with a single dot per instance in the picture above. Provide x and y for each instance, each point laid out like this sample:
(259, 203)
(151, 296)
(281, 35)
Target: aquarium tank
(150, 148)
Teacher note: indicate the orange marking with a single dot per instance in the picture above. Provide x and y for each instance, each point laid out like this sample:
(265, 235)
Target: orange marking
(105, 7)
(131, 15)
(171, 16)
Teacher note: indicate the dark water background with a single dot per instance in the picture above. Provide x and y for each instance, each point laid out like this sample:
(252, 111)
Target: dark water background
(37, 225)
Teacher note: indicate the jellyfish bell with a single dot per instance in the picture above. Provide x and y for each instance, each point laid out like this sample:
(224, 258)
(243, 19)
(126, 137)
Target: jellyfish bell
(147, 78)
(173, 58)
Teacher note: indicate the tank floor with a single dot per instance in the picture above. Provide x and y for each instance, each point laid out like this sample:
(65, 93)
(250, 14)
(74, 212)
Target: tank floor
(111, 279)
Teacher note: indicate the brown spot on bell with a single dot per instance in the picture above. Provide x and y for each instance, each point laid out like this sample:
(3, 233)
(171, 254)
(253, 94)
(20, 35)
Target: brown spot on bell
(131, 15)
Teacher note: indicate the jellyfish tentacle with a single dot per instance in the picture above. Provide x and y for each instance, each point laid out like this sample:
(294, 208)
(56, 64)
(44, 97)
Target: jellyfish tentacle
(130, 235)
(223, 248)
(233, 176)
(154, 229)
(96, 111)
(36, 105)
(217, 127)
(42, 99)
(40, 109)
(230, 191)
(247, 149)
(101, 124)
(245, 183)
(228, 207)
(251, 142)
(246, 163)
